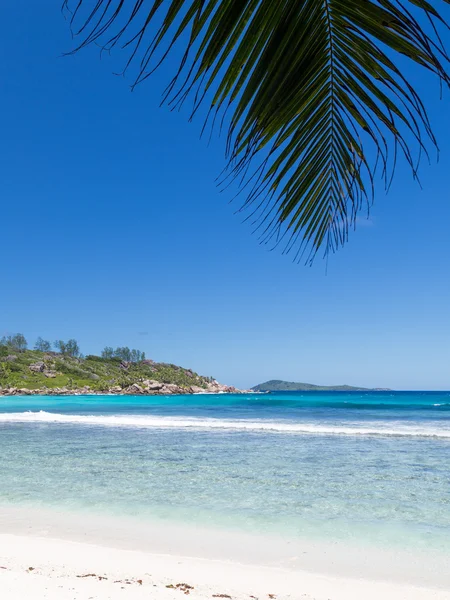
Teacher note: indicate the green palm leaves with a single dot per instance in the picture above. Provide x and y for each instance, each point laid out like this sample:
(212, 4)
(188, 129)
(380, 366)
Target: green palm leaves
(310, 90)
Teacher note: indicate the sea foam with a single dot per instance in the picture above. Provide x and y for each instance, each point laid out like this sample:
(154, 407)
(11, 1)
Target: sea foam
(381, 428)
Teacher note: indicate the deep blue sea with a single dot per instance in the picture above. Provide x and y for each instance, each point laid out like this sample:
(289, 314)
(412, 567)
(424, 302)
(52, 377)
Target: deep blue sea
(344, 466)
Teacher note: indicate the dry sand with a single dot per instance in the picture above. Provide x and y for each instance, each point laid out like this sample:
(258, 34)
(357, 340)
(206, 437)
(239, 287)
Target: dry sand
(35, 568)
(76, 556)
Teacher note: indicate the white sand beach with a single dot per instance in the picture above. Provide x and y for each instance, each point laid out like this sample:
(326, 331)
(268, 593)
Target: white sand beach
(39, 568)
(59, 556)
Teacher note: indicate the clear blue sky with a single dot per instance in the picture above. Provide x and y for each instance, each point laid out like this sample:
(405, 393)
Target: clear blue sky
(114, 233)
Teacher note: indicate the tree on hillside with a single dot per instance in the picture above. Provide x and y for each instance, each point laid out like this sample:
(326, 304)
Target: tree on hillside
(129, 355)
(16, 342)
(59, 346)
(137, 356)
(108, 352)
(42, 345)
(317, 94)
(124, 353)
(69, 348)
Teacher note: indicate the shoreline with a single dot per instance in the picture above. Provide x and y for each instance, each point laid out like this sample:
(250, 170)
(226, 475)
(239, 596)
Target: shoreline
(55, 569)
(151, 388)
(62, 548)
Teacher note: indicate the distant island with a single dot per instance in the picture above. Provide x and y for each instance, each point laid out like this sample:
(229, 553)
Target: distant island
(277, 385)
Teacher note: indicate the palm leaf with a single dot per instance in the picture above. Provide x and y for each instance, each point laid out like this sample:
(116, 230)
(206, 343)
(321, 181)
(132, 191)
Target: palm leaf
(312, 90)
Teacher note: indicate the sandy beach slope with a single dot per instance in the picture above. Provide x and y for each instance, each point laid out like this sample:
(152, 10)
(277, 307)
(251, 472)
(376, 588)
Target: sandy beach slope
(35, 568)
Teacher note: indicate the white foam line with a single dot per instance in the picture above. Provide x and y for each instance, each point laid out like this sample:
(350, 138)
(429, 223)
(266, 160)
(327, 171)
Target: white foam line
(160, 422)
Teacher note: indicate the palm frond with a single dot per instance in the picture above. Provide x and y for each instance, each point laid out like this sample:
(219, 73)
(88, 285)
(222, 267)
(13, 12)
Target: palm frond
(312, 91)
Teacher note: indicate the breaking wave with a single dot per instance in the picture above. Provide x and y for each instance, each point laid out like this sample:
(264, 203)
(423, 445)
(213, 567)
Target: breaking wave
(381, 428)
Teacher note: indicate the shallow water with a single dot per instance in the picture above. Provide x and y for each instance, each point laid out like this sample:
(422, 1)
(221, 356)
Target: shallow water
(373, 467)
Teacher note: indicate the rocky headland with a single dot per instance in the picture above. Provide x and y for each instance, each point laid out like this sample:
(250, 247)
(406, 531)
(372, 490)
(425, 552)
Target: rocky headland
(33, 372)
(148, 387)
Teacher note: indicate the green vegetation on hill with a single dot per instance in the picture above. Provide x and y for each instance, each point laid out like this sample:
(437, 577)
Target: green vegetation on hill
(276, 385)
(35, 369)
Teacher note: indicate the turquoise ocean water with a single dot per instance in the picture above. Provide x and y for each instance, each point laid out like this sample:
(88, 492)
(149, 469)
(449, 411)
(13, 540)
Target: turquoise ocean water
(373, 467)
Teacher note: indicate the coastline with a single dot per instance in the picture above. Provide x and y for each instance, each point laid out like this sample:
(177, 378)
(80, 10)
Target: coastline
(55, 569)
(145, 388)
(139, 530)
(54, 555)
